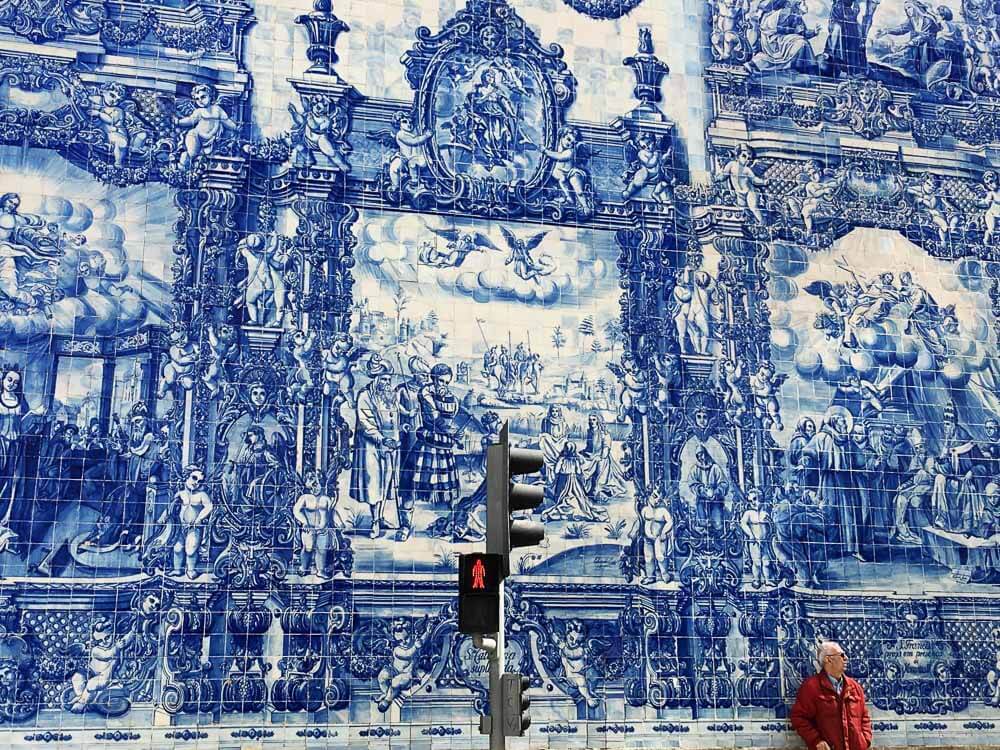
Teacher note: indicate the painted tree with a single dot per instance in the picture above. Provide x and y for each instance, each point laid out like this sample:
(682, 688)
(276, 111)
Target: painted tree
(400, 299)
(586, 329)
(614, 334)
(558, 339)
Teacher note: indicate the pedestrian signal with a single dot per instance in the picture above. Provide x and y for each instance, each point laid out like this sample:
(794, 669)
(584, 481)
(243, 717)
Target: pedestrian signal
(479, 577)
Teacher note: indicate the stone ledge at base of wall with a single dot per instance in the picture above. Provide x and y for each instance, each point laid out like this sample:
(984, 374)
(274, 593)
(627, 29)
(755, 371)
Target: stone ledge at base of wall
(574, 736)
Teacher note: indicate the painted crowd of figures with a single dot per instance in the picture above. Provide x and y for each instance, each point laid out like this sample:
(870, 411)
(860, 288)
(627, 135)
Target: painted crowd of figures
(887, 484)
(929, 46)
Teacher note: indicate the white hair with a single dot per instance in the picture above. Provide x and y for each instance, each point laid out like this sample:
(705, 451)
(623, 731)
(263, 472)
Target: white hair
(825, 649)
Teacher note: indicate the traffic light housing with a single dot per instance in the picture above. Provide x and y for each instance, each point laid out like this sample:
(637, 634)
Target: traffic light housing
(516, 704)
(504, 496)
(479, 577)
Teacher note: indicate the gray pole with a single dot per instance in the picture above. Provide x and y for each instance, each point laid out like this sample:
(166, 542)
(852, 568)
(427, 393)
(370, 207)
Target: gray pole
(498, 482)
(496, 687)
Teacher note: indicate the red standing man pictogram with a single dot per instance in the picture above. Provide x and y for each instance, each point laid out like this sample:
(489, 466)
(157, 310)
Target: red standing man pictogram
(479, 575)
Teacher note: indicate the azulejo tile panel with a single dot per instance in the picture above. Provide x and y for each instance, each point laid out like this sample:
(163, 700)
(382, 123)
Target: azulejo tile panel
(274, 274)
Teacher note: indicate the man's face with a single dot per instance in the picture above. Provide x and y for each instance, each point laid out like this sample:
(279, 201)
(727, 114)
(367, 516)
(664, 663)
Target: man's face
(701, 419)
(992, 429)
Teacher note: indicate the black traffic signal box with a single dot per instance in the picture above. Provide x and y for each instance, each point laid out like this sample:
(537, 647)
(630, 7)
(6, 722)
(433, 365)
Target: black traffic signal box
(479, 578)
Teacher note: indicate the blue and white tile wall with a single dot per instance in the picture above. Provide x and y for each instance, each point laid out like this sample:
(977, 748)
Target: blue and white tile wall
(273, 274)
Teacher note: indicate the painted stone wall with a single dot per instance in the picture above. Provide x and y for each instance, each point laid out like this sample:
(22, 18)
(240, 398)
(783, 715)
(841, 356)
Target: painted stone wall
(273, 274)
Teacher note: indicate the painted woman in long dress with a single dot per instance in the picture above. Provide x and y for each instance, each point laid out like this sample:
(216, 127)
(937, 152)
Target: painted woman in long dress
(572, 502)
(13, 409)
(496, 114)
(605, 479)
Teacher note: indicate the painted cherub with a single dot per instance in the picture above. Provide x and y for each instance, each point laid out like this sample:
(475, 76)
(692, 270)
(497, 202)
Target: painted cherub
(734, 404)
(300, 380)
(727, 22)
(634, 383)
(739, 177)
(177, 373)
(319, 128)
(339, 359)
(668, 372)
(981, 52)
(410, 156)
(103, 658)
(575, 659)
(205, 125)
(122, 129)
(222, 345)
(756, 524)
(927, 196)
(654, 530)
(817, 187)
(401, 672)
(185, 522)
(648, 158)
(991, 202)
(993, 676)
(572, 179)
(765, 384)
(316, 515)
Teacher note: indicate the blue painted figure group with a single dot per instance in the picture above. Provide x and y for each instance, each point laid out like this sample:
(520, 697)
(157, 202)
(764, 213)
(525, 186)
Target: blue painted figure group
(404, 444)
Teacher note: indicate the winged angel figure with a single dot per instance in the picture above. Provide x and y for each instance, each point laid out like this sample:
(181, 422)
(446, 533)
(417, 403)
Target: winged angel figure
(519, 256)
(459, 246)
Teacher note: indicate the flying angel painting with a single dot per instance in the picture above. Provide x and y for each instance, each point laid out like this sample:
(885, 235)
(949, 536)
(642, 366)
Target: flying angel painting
(519, 256)
(459, 246)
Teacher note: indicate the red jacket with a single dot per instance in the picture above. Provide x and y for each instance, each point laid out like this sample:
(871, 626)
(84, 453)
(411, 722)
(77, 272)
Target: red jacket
(820, 714)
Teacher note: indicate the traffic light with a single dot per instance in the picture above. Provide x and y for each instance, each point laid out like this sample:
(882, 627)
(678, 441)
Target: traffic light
(516, 704)
(480, 603)
(479, 577)
(504, 496)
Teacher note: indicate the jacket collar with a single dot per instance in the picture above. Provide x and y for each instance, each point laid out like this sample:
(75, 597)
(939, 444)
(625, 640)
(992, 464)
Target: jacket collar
(846, 692)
